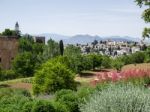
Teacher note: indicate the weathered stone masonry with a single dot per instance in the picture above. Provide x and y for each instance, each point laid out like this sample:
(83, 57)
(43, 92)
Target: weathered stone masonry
(8, 50)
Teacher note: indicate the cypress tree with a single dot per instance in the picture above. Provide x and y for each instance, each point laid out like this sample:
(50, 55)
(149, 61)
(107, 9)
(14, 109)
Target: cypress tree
(61, 45)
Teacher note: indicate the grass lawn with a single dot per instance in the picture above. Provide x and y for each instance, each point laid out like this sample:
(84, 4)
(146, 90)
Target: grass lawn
(22, 83)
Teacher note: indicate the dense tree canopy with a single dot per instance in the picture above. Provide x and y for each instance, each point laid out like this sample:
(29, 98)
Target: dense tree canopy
(24, 64)
(51, 50)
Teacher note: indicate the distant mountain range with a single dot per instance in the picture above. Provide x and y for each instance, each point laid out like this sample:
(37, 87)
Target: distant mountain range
(84, 39)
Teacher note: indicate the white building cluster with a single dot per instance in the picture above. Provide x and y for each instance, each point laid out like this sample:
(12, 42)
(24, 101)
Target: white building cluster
(111, 48)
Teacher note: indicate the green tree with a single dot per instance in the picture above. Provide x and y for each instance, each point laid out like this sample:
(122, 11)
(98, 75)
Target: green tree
(117, 64)
(8, 32)
(138, 57)
(106, 62)
(53, 76)
(61, 45)
(96, 60)
(26, 44)
(72, 50)
(24, 64)
(51, 50)
(145, 15)
(73, 54)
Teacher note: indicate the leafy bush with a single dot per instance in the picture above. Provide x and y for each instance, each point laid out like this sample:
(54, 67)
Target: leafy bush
(7, 75)
(69, 98)
(118, 98)
(43, 106)
(52, 77)
(83, 93)
(13, 100)
(17, 100)
(59, 107)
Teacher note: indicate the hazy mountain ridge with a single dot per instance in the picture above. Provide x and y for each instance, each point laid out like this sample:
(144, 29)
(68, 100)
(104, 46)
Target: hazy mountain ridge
(83, 39)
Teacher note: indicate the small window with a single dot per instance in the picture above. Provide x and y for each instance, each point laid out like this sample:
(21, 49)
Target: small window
(12, 58)
(0, 60)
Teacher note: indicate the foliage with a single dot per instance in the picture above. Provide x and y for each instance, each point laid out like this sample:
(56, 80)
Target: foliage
(26, 44)
(106, 62)
(13, 100)
(7, 75)
(59, 107)
(72, 50)
(69, 98)
(8, 32)
(118, 98)
(145, 15)
(146, 33)
(117, 64)
(51, 50)
(52, 77)
(61, 45)
(16, 100)
(83, 93)
(42, 106)
(96, 60)
(138, 57)
(24, 64)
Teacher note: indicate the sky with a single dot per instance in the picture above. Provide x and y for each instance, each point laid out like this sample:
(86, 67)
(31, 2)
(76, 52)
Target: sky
(71, 17)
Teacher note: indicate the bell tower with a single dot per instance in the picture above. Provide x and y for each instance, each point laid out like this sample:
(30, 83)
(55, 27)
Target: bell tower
(16, 27)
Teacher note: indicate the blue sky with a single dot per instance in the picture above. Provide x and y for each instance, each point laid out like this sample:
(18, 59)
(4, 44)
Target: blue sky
(70, 17)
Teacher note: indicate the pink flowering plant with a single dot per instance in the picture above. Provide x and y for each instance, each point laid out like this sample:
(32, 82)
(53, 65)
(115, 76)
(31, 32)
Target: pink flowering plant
(135, 76)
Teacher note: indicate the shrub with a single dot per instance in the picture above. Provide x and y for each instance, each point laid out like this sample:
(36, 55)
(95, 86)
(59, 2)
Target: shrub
(69, 98)
(83, 93)
(13, 100)
(59, 107)
(7, 75)
(118, 98)
(27, 107)
(43, 106)
(53, 77)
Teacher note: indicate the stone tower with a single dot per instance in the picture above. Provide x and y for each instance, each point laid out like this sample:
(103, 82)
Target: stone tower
(8, 50)
(16, 27)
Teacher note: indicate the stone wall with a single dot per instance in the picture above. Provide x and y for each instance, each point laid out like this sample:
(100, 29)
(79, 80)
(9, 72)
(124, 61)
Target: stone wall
(8, 50)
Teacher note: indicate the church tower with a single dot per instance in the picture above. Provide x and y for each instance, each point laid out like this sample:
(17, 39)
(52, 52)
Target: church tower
(16, 27)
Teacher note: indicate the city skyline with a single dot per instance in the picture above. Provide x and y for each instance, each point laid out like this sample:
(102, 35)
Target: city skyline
(93, 17)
